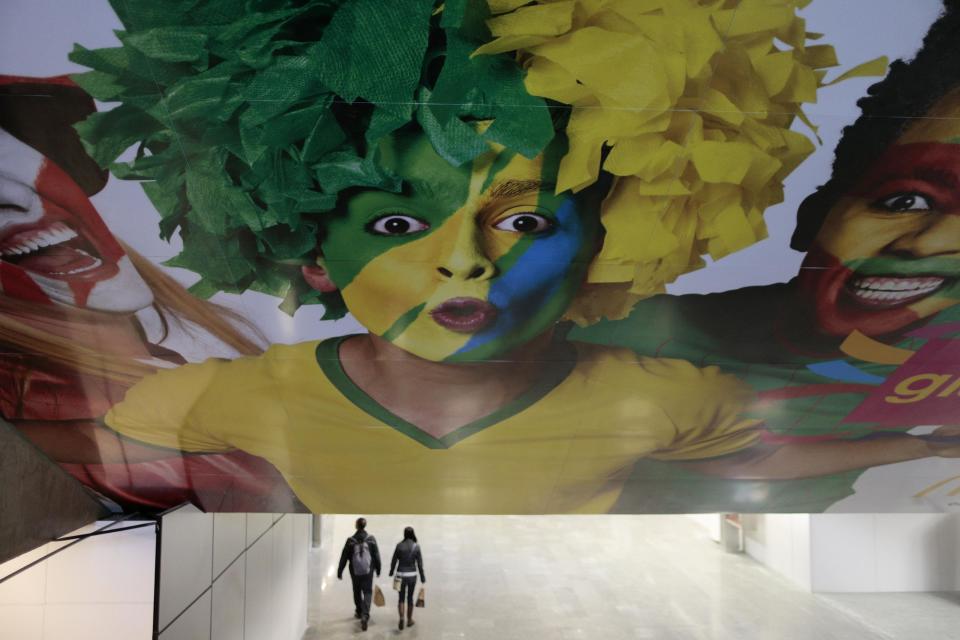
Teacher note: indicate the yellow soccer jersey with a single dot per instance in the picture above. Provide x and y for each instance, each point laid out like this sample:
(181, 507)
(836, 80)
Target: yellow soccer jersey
(564, 446)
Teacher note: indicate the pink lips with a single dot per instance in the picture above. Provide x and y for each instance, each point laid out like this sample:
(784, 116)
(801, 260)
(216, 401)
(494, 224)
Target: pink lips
(464, 315)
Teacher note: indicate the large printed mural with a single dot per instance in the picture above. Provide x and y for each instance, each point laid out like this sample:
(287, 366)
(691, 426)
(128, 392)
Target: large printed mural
(431, 257)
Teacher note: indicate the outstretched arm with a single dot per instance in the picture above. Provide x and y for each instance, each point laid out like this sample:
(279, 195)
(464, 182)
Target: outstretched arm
(804, 460)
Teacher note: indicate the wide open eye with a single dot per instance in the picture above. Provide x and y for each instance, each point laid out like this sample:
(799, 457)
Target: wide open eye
(526, 222)
(905, 202)
(395, 224)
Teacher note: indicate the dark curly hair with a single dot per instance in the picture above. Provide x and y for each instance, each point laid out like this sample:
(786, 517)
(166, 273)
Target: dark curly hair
(908, 91)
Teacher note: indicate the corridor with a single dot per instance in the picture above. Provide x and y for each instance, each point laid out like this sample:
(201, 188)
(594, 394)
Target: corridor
(609, 577)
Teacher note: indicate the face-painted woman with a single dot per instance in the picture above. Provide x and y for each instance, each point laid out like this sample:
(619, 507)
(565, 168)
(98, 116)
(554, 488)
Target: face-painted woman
(54, 247)
(71, 342)
(466, 263)
(888, 254)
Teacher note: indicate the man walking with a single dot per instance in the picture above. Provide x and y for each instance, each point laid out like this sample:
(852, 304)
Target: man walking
(363, 556)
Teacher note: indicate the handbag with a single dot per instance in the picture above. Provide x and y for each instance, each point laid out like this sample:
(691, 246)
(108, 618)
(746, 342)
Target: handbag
(420, 599)
(378, 598)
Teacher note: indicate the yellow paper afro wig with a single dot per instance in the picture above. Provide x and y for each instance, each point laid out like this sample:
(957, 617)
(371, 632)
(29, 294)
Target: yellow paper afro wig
(689, 104)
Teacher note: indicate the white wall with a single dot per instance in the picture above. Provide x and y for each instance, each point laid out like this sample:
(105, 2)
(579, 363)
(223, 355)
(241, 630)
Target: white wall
(222, 577)
(710, 523)
(98, 589)
(859, 552)
(227, 576)
(782, 542)
(885, 552)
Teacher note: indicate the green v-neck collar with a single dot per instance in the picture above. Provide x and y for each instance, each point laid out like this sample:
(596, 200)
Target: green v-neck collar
(328, 357)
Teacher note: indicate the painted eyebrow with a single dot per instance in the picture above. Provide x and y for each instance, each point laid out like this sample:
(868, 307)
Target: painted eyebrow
(505, 189)
(940, 176)
(420, 187)
(516, 188)
(928, 174)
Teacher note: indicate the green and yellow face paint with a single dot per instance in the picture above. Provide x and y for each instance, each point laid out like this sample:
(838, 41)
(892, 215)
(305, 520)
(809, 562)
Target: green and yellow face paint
(468, 262)
(888, 254)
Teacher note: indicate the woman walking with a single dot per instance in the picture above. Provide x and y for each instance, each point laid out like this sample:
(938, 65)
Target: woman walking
(406, 561)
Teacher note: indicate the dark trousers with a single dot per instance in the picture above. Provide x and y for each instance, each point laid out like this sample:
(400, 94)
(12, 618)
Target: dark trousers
(407, 587)
(362, 593)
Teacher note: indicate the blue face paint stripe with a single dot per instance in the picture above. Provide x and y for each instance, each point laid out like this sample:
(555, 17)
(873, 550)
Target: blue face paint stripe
(547, 259)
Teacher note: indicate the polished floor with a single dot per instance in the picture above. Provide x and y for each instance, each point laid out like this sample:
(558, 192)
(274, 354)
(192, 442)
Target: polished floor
(607, 577)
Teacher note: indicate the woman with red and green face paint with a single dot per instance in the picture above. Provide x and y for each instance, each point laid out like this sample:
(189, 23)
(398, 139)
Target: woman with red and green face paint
(882, 234)
(888, 254)
(445, 196)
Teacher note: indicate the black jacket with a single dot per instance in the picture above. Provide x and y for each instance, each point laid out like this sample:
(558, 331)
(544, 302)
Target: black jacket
(347, 553)
(406, 558)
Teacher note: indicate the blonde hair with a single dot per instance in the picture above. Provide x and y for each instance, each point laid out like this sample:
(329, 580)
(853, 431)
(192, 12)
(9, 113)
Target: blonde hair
(171, 300)
(180, 304)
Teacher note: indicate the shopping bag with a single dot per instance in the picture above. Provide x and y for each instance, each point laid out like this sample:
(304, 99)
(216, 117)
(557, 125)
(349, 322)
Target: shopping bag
(420, 601)
(397, 581)
(378, 598)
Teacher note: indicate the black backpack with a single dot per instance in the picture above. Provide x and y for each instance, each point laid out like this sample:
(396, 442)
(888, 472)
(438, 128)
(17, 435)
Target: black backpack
(360, 558)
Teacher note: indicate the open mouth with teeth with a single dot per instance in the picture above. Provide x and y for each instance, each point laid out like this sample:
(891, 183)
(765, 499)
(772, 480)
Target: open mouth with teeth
(55, 250)
(887, 292)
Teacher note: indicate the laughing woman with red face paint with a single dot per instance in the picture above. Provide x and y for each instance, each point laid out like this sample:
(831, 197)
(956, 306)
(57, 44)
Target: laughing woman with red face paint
(888, 254)
(70, 341)
(881, 275)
